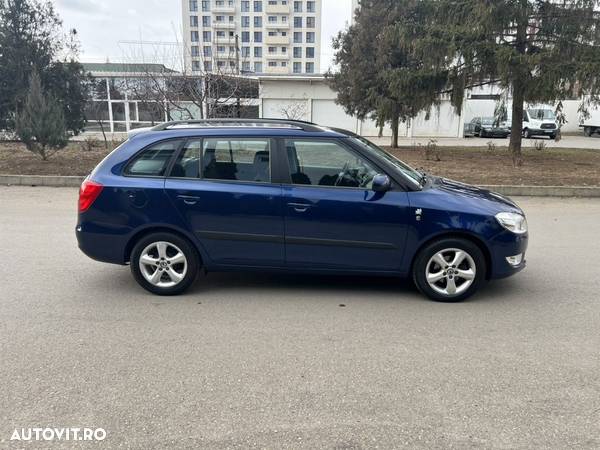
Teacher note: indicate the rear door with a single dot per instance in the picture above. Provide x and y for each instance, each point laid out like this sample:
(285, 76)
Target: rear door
(222, 187)
(333, 219)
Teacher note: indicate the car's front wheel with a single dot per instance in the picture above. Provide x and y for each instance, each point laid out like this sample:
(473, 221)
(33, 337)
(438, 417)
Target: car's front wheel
(449, 270)
(164, 264)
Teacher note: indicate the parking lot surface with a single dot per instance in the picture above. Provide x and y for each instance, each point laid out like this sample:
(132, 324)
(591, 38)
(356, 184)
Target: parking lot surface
(271, 361)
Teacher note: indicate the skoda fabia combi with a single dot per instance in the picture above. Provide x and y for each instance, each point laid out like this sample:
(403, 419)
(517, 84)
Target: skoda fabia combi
(290, 196)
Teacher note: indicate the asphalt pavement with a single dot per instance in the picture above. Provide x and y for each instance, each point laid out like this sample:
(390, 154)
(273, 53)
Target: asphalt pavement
(271, 361)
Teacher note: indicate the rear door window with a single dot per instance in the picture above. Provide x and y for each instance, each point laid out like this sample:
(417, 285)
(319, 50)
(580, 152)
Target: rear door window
(153, 161)
(237, 160)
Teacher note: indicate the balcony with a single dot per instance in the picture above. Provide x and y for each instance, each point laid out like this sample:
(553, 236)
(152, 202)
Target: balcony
(230, 40)
(277, 9)
(278, 56)
(223, 9)
(278, 25)
(277, 70)
(224, 25)
(277, 40)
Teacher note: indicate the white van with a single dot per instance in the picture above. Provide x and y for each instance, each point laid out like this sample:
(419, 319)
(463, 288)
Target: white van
(539, 122)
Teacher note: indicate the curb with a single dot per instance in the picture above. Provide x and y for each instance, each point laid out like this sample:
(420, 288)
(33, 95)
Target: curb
(516, 191)
(40, 180)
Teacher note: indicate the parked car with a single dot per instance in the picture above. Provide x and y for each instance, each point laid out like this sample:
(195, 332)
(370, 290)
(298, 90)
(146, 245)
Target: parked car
(290, 196)
(487, 127)
(540, 122)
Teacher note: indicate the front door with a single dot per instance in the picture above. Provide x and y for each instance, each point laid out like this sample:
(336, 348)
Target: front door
(332, 217)
(222, 188)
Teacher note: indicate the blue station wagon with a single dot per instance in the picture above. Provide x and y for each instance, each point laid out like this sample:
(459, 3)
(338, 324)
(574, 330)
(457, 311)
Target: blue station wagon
(276, 195)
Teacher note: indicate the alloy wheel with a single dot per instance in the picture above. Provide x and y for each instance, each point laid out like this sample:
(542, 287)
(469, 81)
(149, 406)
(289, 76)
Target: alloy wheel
(163, 264)
(450, 272)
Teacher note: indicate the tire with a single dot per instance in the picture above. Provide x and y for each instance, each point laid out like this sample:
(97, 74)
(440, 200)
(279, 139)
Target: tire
(472, 264)
(553, 136)
(176, 260)
(588, 131)
(527, 134)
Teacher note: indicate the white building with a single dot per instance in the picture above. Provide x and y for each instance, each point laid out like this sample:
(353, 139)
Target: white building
(252, 36)
(310, 98)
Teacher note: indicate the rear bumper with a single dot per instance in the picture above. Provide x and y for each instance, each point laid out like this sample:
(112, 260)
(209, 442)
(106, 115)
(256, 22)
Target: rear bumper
(100, 246)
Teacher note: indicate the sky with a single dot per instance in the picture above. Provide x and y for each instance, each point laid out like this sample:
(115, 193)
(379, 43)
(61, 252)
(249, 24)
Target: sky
(108, 29)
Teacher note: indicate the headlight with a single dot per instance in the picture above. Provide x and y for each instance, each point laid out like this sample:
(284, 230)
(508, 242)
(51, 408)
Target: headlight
(513, 222)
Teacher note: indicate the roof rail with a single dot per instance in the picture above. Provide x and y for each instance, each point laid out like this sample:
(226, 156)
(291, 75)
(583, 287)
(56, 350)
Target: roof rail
(305, 126)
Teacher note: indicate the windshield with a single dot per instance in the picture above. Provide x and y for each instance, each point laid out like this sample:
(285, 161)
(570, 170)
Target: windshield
(541, 114)
(487, 121)
(411, 173)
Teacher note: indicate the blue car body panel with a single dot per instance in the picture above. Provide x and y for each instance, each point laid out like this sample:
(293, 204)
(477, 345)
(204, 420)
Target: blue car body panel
(281, 226)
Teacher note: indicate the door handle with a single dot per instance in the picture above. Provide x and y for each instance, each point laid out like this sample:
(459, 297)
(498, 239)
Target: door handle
(188, 199)
(300, 207)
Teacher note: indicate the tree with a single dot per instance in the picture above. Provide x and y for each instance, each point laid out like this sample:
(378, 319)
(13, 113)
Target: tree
(379, 74)
(41, 123)
(538, 51)
(31, 38)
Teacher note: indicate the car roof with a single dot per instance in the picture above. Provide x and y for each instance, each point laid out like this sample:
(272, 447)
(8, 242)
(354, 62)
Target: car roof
(239, 127)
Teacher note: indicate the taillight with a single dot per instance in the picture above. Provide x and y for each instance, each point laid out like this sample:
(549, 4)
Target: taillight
(88, 193)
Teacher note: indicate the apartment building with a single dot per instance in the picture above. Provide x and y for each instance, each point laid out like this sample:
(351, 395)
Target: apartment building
(252, 36)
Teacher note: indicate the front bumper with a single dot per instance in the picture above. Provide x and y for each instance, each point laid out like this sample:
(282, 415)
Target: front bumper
(543, 132)
(504, 245)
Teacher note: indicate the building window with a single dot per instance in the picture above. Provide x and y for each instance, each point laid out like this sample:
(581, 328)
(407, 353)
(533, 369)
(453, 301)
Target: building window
(193, 5)
(297, 52)
(257, 36)
(245, 36)
(246, 66)
(195, 36)
(258, 67)
(272, 63)
(245, 22)
(297, 67)
(272, 19)
(196, 67)
(310, 22)
(297, 22)
(284, 50)
(195, 51)
(194, 21)
(205, 5)
(258, 52)
(245, 6)
(310, 67)
(258, 6)
(206, 21)
(310, 7)
(297, 7)
(310, 52)
(206, 36)
(207, 51)
(297, 37)
(258, 22)
(245, 52)
(310, 37)
(208, 66)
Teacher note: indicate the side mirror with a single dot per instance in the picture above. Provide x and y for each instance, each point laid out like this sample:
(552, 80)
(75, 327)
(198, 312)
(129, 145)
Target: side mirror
(381, 183)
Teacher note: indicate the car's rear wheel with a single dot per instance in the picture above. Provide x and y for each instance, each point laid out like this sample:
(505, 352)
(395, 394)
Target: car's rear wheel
(449, 270)
(164, 263)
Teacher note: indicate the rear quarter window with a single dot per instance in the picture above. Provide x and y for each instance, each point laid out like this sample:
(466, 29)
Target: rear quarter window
(154, 160)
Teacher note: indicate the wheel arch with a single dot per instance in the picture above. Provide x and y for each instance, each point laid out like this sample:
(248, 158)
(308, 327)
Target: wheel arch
(457, 234)
(161, 229)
